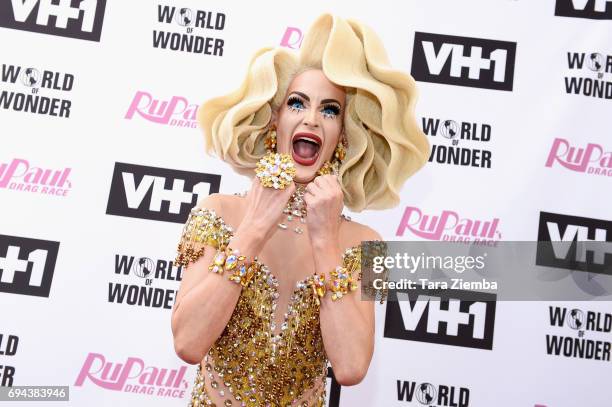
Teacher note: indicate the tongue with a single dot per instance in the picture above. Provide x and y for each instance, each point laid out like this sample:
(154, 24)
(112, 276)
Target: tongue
(305, 149)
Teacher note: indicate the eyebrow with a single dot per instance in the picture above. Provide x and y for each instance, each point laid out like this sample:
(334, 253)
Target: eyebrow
(305, 96)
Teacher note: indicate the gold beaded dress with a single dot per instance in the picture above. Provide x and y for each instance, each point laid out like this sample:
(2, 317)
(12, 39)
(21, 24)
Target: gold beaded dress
(251, 364)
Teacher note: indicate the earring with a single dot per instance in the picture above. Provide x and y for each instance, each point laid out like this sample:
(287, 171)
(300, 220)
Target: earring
(333, 166)
(326, 169)
(340, 151)
(270, 140)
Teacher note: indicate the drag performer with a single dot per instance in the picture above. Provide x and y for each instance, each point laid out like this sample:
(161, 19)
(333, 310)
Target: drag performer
(271, 286)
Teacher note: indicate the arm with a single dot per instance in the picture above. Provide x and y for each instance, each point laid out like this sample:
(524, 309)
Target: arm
(205, 300)
(347, 325)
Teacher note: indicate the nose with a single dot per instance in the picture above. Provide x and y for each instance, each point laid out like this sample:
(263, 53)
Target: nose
(310, 118)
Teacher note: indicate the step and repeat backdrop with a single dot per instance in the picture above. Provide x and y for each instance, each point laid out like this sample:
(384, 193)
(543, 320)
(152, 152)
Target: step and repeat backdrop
(101, 160)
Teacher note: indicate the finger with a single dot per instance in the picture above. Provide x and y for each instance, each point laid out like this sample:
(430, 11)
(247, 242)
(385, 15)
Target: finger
(329, 180)
(326, 183)
(256, 182)
(308, 189)
(257, 186)
(321, 183)
(333, 178)
(290, 189)
(313, 189)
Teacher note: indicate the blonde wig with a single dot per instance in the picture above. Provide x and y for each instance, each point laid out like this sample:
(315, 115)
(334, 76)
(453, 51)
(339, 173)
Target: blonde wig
(385, 144)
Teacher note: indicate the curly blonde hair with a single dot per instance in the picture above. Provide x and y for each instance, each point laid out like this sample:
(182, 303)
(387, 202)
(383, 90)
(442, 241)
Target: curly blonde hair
(385, 144)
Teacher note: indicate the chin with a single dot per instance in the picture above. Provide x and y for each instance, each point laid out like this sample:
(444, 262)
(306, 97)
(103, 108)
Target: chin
(305, 176)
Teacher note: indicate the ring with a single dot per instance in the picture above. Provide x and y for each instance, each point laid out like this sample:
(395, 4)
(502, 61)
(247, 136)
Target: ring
(275, 170)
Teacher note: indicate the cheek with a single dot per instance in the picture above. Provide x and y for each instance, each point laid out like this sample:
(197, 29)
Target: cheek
(329, 151)
(330, 147)
(332, 131)
(283, 131)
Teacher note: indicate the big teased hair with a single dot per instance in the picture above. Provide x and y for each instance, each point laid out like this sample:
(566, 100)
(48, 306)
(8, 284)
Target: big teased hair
(385, 144)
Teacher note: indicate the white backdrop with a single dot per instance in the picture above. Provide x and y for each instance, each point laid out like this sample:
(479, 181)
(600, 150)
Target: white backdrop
(112, 162)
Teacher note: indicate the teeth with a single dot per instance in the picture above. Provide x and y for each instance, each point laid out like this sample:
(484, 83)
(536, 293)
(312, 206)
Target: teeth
(308, 139)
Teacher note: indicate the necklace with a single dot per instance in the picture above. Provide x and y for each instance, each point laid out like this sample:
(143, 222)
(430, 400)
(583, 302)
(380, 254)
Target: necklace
(295, 207)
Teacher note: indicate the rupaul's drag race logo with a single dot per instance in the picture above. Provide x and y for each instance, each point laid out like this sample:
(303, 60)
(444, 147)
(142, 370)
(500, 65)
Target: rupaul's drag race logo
(181, 26)
(19, 175)
(448, 150)
(579, 333)
(432, 395)
(29, 88)
(81, 19)
(133, 376)
(594, 9)
(176, 111)
(292, 38)
(138, 191)
(591, 159)
(138, 277)
(589, 74)
(449, 226)
(463, 61)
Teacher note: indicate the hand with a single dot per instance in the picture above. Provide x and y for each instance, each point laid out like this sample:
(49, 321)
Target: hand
(324, 203)
(264, 208)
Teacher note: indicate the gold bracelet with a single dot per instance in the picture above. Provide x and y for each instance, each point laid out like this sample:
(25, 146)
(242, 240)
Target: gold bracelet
(243, 273)
(218, 264)
(317, 283)
(231, 260)
(341, 282)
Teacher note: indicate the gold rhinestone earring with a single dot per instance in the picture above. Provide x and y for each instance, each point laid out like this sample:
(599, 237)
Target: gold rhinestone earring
(340, 151)
(333, 166)
(270, 140)
(326, 168)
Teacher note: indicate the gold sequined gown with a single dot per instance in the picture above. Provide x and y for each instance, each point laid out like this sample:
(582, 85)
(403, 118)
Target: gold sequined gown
(253, 362)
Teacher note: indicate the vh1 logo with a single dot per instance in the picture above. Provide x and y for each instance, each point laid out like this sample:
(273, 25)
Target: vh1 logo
(593, 9)
(154, 193)
(81, 19)
(574, 243)
(463, 318)
(463, 61)
(27, 265)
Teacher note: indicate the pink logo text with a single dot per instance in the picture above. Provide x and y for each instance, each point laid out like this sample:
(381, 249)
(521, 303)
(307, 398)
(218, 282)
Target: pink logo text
(174, 112)
(448, 226)
(133, 376)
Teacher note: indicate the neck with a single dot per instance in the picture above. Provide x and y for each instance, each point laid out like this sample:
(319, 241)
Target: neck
(302, 183)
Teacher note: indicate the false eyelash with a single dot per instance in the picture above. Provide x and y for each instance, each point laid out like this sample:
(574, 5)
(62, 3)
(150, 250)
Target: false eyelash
(292, 100)
(335, 109)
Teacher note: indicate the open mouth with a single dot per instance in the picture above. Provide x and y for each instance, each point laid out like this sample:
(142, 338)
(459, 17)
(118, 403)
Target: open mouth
(306, 147)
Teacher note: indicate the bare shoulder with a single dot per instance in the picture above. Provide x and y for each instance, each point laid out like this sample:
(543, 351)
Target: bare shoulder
(218, 202)
(361, 232)
(227, 206)
(212, 201)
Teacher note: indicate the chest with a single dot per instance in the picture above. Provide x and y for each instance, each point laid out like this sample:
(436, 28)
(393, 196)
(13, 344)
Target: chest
(288, 257)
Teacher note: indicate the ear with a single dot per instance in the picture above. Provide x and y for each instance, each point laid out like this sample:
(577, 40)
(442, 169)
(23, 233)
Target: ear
(274, 118)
